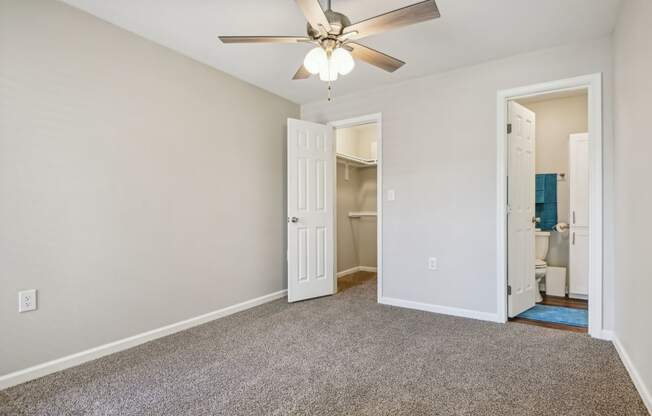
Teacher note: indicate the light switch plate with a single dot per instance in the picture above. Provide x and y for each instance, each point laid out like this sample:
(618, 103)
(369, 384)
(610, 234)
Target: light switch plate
(27, 300)
(391, 195)
(432, 263)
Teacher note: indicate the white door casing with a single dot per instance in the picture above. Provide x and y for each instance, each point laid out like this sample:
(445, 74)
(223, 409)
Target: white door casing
(592, 83)
(521, 209)
(310, 161)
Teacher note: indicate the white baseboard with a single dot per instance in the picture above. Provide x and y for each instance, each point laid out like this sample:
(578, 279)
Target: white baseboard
(605, 334)
(355, 270)
(646, 395)
(40, 370)
(444, 310)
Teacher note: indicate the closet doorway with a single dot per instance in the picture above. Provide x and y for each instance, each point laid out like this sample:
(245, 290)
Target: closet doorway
(357, 194)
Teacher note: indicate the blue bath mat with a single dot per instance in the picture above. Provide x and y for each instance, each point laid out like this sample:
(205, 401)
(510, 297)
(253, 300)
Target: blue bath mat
(558, 315)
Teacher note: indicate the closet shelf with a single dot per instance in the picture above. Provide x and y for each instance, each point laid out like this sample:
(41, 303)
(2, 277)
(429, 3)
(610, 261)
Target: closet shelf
(361, 214)
(355, 161)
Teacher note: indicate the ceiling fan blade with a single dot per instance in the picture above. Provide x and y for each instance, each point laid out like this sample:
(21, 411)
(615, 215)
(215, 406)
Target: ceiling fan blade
(264, 39)
(302, 73)
(373, 57)
(419, 12)
(314, 15)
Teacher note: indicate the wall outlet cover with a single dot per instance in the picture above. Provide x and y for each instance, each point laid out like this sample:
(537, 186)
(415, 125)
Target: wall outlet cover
(27, 300)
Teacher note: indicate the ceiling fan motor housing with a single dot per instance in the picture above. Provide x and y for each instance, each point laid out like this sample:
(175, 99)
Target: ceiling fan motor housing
(338, 22)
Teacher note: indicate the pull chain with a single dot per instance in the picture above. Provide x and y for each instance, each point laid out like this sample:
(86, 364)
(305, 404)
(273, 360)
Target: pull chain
(330, 89)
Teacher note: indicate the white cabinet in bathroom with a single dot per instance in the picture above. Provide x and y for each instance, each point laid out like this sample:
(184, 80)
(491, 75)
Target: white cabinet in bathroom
(579, 179)
(578, 278)
(578, 284)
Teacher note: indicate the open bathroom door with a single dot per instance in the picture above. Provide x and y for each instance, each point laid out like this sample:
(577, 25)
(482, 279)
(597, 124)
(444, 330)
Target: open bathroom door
(520, 209)
(310, 176)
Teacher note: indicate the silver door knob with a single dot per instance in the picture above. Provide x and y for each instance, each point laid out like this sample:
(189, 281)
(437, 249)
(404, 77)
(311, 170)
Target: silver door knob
(293, 219)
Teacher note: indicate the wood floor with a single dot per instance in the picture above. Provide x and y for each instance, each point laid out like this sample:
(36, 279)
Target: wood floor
(565, 301)
(354, 279)
(557, 301)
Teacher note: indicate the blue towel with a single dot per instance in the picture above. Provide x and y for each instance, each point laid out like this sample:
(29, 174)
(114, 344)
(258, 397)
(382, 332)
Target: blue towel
(540, 189)
(546, 200)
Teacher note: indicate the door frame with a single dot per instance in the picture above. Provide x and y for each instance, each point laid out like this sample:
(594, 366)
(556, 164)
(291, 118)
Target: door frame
(350, 122)
(593, 84)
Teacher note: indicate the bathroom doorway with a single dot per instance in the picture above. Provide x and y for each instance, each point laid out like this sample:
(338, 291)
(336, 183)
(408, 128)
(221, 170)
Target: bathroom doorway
(558, 125)
(549, 190)
(357, 230)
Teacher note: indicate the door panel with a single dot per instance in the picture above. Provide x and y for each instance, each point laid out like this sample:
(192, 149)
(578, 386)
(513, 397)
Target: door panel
(311, 158)
(521, 196)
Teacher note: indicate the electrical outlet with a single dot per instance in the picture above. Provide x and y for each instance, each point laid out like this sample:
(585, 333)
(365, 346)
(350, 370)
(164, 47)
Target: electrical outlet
(432, 263)
(27, 300)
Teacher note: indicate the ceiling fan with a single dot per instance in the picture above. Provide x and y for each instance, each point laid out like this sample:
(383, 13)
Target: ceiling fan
(336, 38)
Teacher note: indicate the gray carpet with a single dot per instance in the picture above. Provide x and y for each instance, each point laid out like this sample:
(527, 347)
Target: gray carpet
(343, 355)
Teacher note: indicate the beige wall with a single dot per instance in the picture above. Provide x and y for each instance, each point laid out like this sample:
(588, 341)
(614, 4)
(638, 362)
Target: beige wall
(347, 194)
(439, 155)
(556, 120)
(367, 227)
(138, 187)
(357, 141)
(633, 82)
(356, 237)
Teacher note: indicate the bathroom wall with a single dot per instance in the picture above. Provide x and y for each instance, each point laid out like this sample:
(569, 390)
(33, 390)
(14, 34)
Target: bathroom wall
(556, 119)
(356, 237)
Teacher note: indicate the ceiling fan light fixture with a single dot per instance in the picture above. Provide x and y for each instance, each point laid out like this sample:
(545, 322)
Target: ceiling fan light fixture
(315, 60)
(342, 60)
(329, 72)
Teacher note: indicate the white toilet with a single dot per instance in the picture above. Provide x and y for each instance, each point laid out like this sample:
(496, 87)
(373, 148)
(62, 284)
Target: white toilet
(541, 242)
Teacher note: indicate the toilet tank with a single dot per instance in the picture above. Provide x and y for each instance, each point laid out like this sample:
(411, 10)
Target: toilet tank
(541, 243)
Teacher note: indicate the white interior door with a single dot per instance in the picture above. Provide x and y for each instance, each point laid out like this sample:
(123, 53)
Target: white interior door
(521, 209)
(311, 157)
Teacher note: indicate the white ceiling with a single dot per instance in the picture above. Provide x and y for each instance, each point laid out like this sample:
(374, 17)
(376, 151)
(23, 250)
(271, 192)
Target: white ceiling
(469, 32)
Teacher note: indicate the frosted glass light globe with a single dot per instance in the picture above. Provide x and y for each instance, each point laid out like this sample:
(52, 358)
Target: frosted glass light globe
(342, 60)
(328, 72)
(315, 60)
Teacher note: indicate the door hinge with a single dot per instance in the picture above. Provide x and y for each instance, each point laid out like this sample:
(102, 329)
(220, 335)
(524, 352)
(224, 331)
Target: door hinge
(509, 128)
(509, 290)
